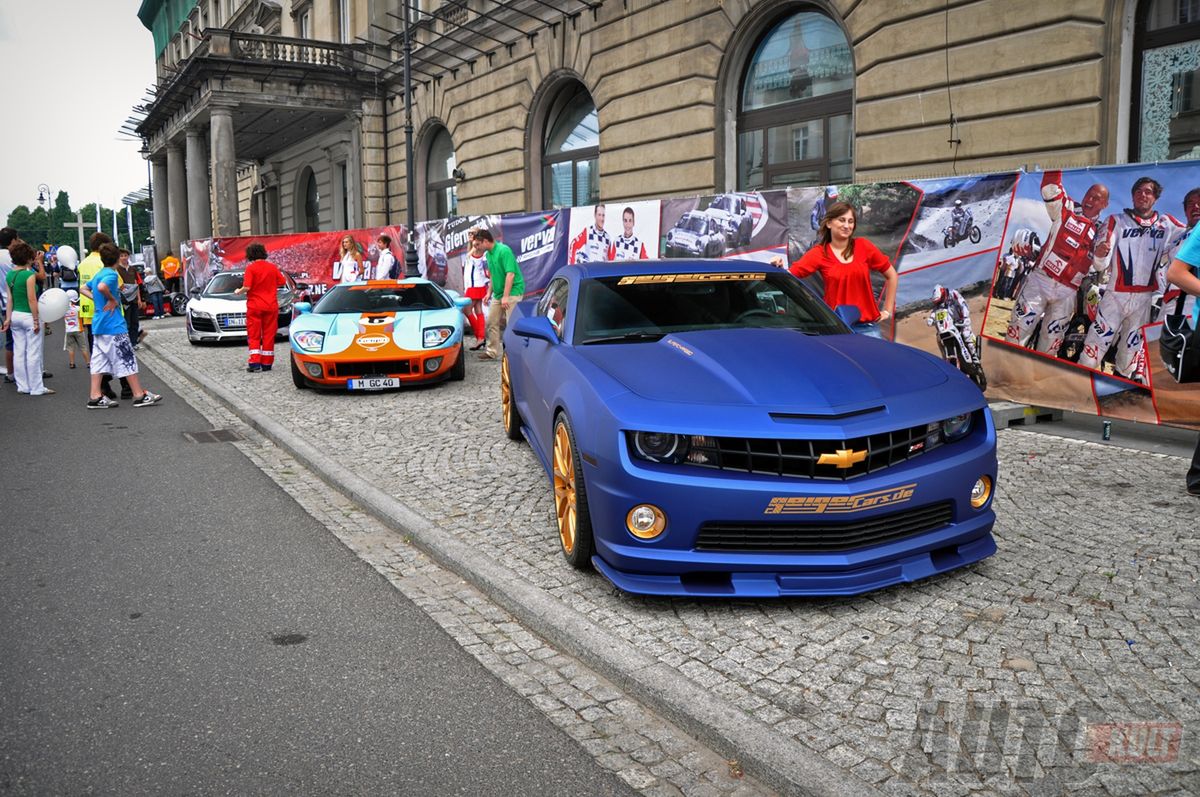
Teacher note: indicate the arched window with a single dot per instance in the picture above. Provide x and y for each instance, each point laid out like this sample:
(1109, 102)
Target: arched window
(571, 150)
(1166, 81)
(794, 111)
(441, 194)
(308, 202)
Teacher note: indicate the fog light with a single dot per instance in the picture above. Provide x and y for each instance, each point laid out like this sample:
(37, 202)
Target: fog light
(645, 521)
(314, 369)
(981, 492)
(432, 364)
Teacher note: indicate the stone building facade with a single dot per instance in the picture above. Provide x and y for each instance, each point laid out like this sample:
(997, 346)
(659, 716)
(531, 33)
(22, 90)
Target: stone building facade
(289, 115)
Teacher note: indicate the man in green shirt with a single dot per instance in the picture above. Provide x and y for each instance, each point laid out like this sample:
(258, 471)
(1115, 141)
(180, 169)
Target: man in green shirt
(508, 287)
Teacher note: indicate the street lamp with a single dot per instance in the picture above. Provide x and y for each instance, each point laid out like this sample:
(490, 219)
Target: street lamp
(44, 196)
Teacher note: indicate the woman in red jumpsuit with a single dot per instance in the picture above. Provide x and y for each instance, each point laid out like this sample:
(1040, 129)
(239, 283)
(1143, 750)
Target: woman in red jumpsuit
(261, 285)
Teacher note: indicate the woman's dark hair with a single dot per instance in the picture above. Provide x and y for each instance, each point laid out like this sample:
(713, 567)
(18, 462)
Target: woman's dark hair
(21, 252)
(835, 211)
(97, 240)
(256, 251)
(109, 254)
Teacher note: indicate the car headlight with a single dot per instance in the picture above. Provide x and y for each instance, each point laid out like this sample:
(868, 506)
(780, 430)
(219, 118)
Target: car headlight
(200, 314)
(659, 446)
(956, 428)
(436, 336)
(309, 341)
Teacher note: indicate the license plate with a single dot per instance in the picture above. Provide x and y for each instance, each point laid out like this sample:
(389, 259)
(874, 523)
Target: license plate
(373, 383)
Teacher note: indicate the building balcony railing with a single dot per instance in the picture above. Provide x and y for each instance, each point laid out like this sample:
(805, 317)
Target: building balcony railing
(281, 50)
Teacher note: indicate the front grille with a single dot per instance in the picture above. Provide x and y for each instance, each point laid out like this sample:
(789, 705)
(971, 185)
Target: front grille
(373, 368)
(230, 322)
(824, 535)
(801, 457)
(203, 324)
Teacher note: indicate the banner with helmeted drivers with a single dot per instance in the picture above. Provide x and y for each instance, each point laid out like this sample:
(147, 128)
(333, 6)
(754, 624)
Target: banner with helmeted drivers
(442, 248)
(1044, 288)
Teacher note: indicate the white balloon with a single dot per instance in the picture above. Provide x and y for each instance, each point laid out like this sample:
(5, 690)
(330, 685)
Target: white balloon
(72, 295)
(52, 305)
(67, 256)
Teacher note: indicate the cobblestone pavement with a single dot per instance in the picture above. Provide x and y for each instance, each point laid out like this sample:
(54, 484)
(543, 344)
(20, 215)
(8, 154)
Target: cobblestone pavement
(1066, 663)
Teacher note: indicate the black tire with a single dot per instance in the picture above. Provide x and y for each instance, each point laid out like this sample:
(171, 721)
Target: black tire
(297, 378)
(508, 409)
(458, 371)
(948, 242)
(980, 377)
(178, 304)
(570, 497)
(974, 234)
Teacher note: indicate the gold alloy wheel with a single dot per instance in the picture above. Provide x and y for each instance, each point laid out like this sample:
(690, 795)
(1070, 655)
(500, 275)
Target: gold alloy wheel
(564, 487)
(505, 394)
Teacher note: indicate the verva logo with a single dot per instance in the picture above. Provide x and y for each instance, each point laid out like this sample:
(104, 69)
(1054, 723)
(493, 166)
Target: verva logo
(372, 342)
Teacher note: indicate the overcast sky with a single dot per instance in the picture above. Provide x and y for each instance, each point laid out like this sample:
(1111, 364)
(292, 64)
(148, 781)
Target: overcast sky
(73, 70)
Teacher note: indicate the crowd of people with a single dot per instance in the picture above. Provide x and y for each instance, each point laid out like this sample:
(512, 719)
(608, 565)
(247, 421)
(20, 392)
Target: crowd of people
(105, 299)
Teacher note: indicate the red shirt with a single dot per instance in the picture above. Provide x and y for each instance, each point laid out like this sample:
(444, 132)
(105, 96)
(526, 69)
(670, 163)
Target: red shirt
(263, 278)
(846, 283)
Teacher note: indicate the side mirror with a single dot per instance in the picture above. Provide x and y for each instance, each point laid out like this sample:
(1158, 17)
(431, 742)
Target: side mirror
(194, 292)
(302, 307)
(536, 327)
(848, 313)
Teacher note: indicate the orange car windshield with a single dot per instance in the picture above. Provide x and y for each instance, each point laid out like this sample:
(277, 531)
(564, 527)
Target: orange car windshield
(387, 299)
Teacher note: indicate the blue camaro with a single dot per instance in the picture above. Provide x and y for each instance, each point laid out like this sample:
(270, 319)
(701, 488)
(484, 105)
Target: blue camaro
(712, 428)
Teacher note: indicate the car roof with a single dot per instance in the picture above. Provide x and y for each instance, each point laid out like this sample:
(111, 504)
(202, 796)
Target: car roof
(628, 268)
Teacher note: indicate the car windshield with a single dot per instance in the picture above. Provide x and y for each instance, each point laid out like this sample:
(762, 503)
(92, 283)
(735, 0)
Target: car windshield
(723, 203)
(382, 299)
(692, 224)
(223, 284)
(646, 307)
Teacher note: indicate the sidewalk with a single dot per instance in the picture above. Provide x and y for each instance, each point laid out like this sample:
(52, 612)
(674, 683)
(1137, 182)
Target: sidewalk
(992, 679)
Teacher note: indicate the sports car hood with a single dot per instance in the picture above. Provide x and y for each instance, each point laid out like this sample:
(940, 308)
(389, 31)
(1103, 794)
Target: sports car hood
(214, 304)
(768, 367)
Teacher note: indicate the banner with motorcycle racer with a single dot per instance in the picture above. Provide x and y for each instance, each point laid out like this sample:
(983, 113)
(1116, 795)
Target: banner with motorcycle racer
(310, 257)
(1081, 285)
(539, 242)
(724, 225)
(613, 231)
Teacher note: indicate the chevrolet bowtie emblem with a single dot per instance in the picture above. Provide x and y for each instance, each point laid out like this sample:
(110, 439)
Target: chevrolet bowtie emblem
(842, 458)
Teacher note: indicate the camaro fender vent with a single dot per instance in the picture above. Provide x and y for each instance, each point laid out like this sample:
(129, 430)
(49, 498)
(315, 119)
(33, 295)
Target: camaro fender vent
(821, 534)
(372, 368)
(802, 458)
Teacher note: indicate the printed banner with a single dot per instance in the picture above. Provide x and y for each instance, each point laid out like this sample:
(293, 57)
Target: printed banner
(540, 244)
(633, 235)
(1044, 288)
(312, 259)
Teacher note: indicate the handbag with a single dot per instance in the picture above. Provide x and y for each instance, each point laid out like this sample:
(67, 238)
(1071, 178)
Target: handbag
(1179, 346)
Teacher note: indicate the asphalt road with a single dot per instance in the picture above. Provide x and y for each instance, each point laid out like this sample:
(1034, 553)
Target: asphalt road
(172, 622)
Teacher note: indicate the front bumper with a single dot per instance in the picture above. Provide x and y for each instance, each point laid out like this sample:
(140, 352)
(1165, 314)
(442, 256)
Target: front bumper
(410, 367)
(208, 329)
(674, 563)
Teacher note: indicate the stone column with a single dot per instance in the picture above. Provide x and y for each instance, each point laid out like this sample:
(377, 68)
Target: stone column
(354, 175)
(199, 201)
(162, 219)
(224, 162)
(177, 196)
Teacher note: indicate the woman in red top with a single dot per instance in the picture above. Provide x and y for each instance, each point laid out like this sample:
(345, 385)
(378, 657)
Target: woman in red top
(845, 264)
(261, 284)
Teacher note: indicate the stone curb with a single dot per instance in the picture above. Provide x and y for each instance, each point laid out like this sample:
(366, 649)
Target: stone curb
(773, 759)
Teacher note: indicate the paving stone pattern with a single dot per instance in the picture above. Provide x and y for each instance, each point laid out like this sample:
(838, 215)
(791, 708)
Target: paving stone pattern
(651, 755)
(1018, 675)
